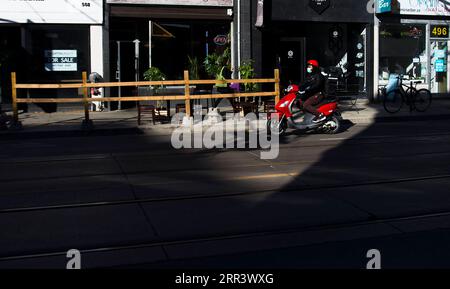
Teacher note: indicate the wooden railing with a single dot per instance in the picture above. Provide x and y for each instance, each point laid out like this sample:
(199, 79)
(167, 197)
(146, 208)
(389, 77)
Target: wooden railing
(186, 82)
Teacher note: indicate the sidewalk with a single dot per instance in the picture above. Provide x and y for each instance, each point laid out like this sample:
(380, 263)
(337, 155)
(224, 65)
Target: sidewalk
(362, 113)
(368, 113)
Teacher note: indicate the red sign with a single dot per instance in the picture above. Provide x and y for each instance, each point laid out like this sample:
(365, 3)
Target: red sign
(221, 40)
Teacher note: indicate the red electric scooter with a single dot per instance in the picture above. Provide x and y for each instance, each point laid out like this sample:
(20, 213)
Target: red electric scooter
(289, 115)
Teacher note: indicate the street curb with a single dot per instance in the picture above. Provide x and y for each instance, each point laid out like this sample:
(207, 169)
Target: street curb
(136, 130)
(14, 135)
(403, 118)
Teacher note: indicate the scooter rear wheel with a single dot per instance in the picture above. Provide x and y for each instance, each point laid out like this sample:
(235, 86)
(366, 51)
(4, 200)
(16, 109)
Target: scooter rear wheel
(332, 125)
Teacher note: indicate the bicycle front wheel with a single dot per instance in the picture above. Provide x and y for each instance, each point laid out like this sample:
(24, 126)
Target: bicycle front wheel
(393, 101)
(422, 100)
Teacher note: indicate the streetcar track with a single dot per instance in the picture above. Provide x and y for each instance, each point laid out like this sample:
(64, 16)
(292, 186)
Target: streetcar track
(254, 234)
(222, 195)
(169, 242)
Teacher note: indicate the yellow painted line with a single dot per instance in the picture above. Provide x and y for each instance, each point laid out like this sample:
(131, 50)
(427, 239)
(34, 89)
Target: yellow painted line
(241, 178)
(265, 176)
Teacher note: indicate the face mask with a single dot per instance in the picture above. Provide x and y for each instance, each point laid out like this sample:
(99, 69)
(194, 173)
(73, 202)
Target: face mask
(309, 70)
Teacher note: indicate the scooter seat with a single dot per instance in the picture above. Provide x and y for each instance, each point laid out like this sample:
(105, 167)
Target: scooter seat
(326, 101)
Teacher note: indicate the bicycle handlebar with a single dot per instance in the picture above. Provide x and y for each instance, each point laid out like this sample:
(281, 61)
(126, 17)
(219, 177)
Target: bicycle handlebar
(400, 77)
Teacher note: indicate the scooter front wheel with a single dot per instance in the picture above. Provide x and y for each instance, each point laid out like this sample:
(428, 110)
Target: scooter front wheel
(276, 127)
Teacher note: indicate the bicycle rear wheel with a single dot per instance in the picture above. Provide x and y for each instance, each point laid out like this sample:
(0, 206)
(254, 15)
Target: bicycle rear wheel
(393, 101)
(422, 100)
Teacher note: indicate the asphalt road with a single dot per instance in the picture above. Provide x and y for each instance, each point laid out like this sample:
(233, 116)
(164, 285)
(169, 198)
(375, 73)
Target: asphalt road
(130, 199)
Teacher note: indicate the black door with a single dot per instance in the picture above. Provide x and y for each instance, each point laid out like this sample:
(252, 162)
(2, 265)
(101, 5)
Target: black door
(124, 67)
(291, 61)
(11, 59)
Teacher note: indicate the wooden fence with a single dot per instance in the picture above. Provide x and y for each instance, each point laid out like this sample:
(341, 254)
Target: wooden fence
(186, 82)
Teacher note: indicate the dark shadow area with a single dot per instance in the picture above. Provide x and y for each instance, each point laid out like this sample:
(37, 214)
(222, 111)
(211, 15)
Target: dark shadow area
(378, 172)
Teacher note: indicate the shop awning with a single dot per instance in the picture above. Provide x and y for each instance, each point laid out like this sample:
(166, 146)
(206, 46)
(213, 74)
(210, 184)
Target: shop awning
(154, 12)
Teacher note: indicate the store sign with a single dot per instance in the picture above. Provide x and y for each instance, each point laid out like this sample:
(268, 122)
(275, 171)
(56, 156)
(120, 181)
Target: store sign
(221, 40)
(319, 5)
(425, 7)
(52, 11)
(226, 3)
(61, 60)
(440, 53)
(440, 65)
(384, 6)
(439, 31)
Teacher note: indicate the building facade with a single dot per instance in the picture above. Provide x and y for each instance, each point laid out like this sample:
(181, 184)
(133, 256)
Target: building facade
(339, 34)
(172, 35)
(412, 38)
(49, 41)
(361, 42)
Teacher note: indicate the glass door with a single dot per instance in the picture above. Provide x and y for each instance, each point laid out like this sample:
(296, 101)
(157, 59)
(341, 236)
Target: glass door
(439, 70)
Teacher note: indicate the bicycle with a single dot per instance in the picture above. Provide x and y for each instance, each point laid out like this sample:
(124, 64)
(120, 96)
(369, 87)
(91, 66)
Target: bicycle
(419, 100)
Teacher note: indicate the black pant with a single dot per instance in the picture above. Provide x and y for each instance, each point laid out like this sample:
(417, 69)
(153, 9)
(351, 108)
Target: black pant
(313, 101)
(220, 90)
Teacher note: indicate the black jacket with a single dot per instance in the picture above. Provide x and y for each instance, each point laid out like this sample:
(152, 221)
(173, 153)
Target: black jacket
(313, 84)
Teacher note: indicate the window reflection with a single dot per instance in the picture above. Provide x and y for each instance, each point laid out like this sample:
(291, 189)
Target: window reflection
(403, 51)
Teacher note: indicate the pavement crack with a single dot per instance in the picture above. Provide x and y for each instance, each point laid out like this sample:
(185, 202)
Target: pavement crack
(140, 205)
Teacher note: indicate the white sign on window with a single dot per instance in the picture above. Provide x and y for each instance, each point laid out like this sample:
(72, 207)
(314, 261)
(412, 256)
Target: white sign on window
(61, 60)
(51, 11)
(425, 7)
(226, 3)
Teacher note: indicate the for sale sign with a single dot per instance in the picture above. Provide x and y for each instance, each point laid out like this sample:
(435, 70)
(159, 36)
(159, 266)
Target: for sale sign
(61, 60)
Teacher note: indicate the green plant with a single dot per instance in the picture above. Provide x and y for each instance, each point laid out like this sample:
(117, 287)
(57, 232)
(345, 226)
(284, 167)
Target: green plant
(248, 72)
(214, 62)
(154, 74)
(193, 68)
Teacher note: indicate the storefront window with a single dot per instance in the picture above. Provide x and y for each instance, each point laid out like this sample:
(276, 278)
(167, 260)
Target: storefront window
(403, 51)
(57, 53)
(196, 40)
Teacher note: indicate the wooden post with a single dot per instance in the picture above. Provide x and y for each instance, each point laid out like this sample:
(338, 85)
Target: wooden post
(277, 86)
(14, 98)
(187, 94)
(85, 97)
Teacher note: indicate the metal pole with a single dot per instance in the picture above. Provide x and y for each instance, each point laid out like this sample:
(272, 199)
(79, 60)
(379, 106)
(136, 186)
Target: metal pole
(150, 33)
(118, 76)
(136, 59)
(428, 55)
(376, 56)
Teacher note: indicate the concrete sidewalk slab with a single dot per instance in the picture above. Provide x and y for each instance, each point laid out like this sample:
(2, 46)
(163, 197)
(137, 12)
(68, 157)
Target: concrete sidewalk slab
(362, 112)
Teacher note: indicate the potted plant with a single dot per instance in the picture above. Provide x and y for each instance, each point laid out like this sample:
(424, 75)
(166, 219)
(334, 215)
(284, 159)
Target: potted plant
(218, 66)
(193, 68)
(155, 74)
(215, 63)
(247, 71)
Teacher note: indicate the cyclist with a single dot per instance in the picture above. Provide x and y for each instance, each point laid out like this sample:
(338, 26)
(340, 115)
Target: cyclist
(313, 87)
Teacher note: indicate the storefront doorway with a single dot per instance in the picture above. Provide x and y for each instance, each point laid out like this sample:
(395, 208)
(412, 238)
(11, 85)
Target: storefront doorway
(127, 69)
(438, 61)
(291, 60)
